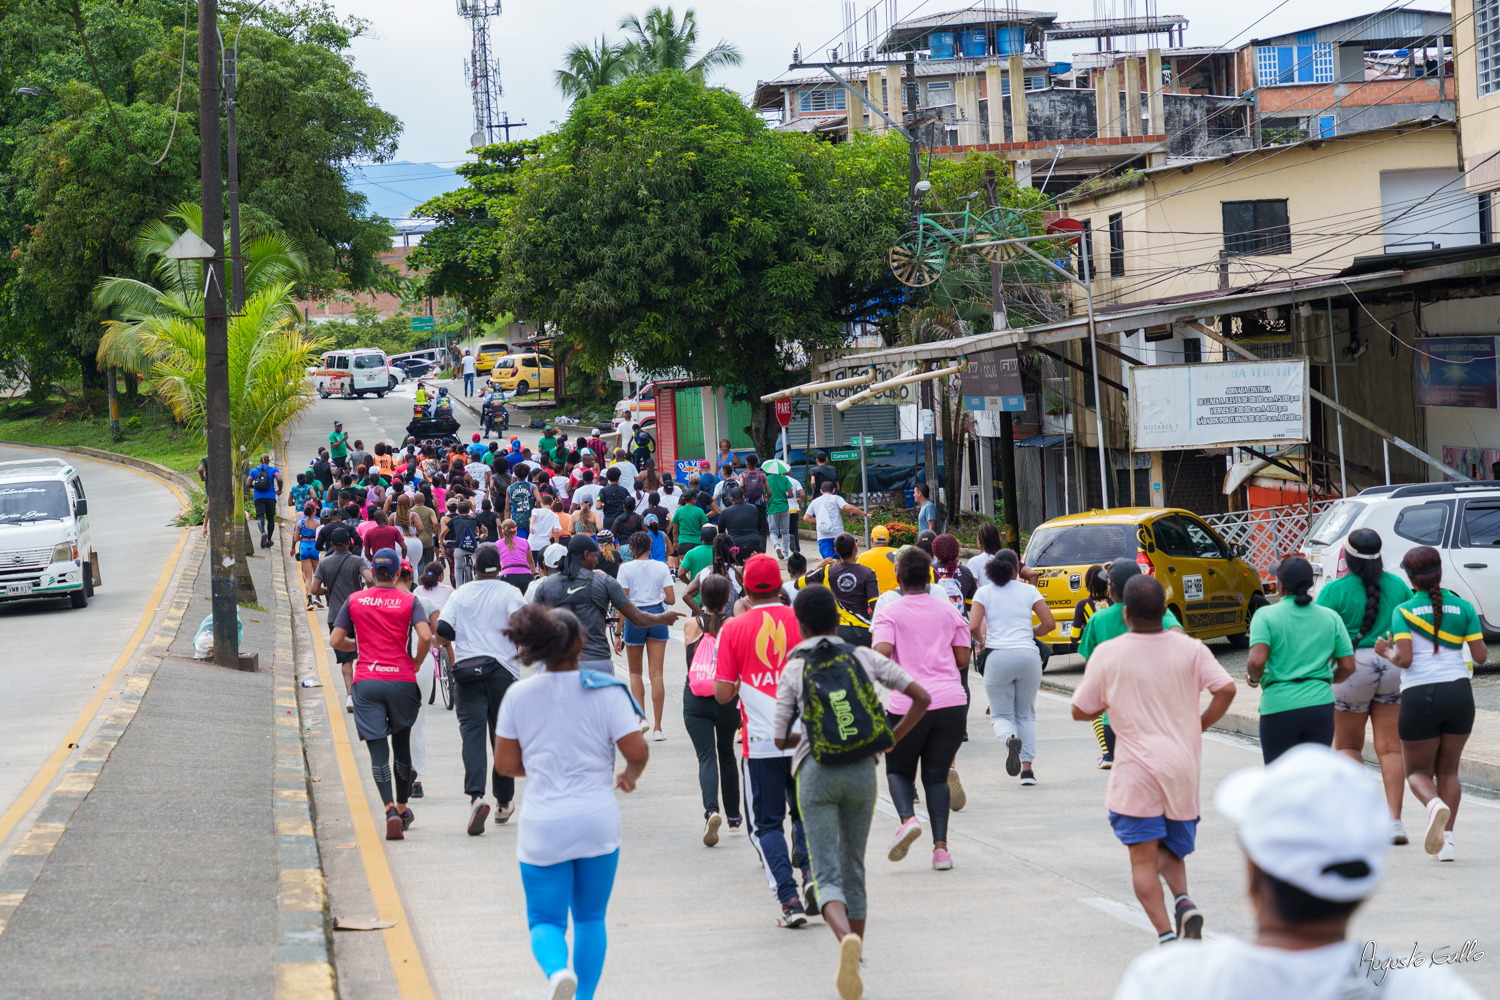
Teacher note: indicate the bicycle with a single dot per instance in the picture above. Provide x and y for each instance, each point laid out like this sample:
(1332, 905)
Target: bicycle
(442, 676)
(921, 254)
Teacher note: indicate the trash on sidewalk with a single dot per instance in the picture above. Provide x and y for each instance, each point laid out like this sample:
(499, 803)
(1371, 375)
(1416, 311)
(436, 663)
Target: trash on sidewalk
(361, 924)
(203, 641)
(311, 682)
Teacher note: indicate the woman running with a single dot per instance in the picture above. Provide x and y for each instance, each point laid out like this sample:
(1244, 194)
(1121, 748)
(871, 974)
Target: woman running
(305, 550)
(658, 537)
(411, 529)
(710, 725)
(559, 731)
(930, 640)
(1012, 666)
(1290, 650)
(1096, 583)
(1365, 598)
(517, 567)
(648, 584)
(430, 607)
(724, 565)
(1426, 640)
(988, 537)
(609, 553)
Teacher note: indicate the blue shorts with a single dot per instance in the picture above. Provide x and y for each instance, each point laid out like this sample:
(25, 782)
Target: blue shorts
(635, 635)
(1176, 835)
(825, 548)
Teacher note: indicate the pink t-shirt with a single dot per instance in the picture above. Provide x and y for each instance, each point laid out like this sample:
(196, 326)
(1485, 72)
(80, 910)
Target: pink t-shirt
(1150, 685)
(513, 560)
(922, 630)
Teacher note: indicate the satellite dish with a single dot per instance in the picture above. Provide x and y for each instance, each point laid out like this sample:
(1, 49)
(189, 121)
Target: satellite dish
(191, 246)
(478, 139)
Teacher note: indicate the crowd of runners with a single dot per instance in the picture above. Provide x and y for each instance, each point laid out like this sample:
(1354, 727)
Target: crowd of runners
(528, 569)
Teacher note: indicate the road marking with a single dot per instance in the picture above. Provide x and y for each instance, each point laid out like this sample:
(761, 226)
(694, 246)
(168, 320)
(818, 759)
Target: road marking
(54, 763)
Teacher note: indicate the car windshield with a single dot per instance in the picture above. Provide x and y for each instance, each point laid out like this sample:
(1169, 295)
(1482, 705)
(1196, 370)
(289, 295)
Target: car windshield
(1335, 522)
(1080, 544)
(43, 501)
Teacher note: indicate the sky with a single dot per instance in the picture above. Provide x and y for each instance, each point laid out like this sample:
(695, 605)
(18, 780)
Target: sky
(414, 55)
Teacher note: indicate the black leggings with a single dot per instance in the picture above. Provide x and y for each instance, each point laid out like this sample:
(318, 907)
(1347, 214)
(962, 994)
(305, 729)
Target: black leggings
(711, 727)
(1280, 731)
(380, 765)
(935, 739)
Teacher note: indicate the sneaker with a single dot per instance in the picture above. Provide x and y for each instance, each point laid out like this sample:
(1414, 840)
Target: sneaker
(780, 556)
(349, 703)
(942, 861)
(1446, 854)
(1398, 833)
(416, 789)
(1106, 761)
(1189, 921)
(956, 797)
(658, 736)
(711, 829)
(734, 822)
(645, 727)
(1437, 818)
(394, 828)
(504, 811)
(479, 811)
(810, 896)
(905, 834)
(1027, 777)
(792, 914)
(408, 819)
(1013, 756)
(562, 985)
(848, 981)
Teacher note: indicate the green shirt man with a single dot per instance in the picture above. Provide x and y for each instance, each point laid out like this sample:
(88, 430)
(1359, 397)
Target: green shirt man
(776, 487)
(338, 442)
(1110, 622)
(548, 443)
(689, 519)
(697, 558)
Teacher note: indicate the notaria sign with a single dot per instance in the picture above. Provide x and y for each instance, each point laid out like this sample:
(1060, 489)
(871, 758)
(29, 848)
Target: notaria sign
(1175, 407)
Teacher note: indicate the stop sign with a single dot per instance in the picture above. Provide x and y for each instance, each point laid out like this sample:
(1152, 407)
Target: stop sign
(784, 412)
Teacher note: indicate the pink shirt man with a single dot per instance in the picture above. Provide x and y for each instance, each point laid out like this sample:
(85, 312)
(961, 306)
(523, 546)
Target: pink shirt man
(922, 630)
(1150, 684)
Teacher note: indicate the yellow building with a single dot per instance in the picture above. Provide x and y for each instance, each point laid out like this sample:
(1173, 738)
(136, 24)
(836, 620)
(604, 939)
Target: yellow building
(1476, 72)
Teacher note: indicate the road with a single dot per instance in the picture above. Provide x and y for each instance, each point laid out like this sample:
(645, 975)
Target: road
(1039, 902)
(55, 656)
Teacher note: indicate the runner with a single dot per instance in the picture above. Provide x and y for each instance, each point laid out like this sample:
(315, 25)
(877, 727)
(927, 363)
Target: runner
(1009, 662)
(520, 500)
(609, 553)
(930, 640)
(835, 770)
(741, 520)
(517, 567)
(266, 483)
(305, 550)
(1096, 585)
(648, 583)
(410, 526)
(1426, 640)
(828, 511)
(686, 527)
(385, 692)
(1366, 598)
(956, 579)
(711, 725)
(796, 569)
(695, 558)
(340, 574)
(430, 609)
(658, 551)
(752, 650)
(300, 494)
(778, 490)
(881, 558)
(612, 499)
(1151, 679)
(988, 538)
(855, 587)
(383, 536)
(725, 564)
(1289, 652)
(559, 729)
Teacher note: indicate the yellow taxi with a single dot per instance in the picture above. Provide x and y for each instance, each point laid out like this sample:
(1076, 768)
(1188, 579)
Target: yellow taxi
(1210, 586)
(522, 373)
(486, 356)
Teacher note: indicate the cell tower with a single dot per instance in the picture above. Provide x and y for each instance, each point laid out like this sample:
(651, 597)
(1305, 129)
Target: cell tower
(483, 73)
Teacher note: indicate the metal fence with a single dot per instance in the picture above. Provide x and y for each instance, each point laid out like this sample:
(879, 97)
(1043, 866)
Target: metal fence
(1269, 533)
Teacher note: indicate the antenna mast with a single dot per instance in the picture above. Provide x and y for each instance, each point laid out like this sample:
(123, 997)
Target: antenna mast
(483, 71)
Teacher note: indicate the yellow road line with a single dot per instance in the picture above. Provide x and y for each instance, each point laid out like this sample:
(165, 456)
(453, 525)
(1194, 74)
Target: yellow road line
(33, 792)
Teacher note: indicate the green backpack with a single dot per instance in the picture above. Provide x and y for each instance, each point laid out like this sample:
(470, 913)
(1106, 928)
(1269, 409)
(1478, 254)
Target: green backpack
(840, 706)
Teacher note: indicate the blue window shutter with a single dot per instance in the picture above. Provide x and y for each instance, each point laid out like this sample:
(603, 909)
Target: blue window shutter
(1304, 64)
(1327, 126)
(1307, 37)
(1284, 64)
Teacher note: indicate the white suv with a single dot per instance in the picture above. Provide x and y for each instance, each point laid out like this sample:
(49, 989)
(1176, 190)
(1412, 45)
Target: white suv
(1460, 520)
(45, 548)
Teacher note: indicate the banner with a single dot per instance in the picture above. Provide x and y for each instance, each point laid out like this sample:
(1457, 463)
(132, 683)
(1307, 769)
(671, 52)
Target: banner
(883, 372)
(1456, 371)
(1179, 407)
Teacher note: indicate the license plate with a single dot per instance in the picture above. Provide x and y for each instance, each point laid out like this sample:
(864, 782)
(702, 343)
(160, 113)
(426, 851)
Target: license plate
(17, 589)
(1067, 629)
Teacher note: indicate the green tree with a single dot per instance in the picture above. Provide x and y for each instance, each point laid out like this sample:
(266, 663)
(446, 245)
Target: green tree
(662, 42)
(591, 67)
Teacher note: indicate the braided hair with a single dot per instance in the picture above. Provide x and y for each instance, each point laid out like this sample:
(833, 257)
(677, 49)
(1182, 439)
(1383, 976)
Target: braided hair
(1362, 554)
(1424, 567)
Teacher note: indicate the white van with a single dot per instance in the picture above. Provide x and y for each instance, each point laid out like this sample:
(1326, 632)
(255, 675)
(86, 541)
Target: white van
(45, 549)
(353, 373)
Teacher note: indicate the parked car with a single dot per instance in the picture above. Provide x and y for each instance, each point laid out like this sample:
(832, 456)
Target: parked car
(45, 546)
(486, 356)
(365, 369)
(1460, 520)
(522, 373)
(1211, 588)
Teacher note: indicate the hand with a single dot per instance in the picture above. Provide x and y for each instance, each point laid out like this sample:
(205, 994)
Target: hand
(624, 782)
(669, 618)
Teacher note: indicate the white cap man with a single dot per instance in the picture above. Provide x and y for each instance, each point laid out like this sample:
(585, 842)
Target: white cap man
(1315, 830)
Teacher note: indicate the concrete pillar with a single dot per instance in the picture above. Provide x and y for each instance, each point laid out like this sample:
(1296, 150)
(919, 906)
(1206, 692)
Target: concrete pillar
(1022, 173)
(1017, 74)
(968, 127)
(1131, 80)
(1158, 491)
(893, 92)
(872, 91)
(1107, 102)
(1154, 106)
(994, 74)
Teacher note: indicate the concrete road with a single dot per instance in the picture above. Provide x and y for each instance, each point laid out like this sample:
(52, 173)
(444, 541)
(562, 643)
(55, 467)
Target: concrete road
(55, 656)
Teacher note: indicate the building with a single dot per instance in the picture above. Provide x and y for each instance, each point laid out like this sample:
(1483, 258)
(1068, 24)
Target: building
(341, 305)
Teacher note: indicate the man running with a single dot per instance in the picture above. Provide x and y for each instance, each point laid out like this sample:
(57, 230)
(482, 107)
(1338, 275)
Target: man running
(828, 511)
(266, 482)
(855, 587)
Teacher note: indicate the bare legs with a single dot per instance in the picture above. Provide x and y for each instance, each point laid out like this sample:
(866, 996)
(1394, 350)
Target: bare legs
(655, 656)
(1432, 770)
(1150, 865)
(1349, 739)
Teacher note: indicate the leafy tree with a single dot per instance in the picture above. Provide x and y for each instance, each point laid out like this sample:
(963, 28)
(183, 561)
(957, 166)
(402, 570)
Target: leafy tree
(591, 68)
(662, 42)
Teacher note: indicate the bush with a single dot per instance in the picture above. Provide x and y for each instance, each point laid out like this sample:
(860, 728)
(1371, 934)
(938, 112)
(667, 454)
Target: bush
(902, 533)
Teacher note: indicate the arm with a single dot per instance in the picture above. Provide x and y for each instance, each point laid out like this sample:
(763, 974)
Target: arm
(424, 641)
(849, 508)
(724, 691)
(977, 627)
(671, 595)
(1220, 704)
(1047, 623)
(1478, 651)
(635, 751)
(1343, 669)
(340, 641)
(640, 619)
(885, 649)
(689, 597)
(1079, 715)
(1255, 665)
(920, 699)
(508, 757)
(961, 655)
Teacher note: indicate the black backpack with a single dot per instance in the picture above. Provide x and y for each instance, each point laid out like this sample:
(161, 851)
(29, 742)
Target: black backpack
(263, 480)
(840, 706)
(642, 439)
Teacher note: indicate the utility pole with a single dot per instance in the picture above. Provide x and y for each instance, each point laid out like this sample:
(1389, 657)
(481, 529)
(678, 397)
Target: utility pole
(1007, 424)
(232, 181)
(927, 415)
(221, 470)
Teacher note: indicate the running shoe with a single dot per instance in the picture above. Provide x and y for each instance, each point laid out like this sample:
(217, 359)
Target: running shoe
(1446, 854)
(1189, 921)
(906, 833)
(1106, 761)
(1437, 818)
(479, 811)
(504, 811)
(779, 555)
(734, 822)
(809, 896)
(849, 983)
(711, 829)
(1013, 756)
(562, 985)
(349, 703)
(792, 914)
(645, 727)
(956, 797)
(1027, 777)
(416, 789)
(408, 819)
(1398, 833)
(942, 861)
(394, 828)
(658, 736)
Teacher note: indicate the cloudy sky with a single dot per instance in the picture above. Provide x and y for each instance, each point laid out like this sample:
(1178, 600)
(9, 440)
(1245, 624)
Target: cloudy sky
(415, 55)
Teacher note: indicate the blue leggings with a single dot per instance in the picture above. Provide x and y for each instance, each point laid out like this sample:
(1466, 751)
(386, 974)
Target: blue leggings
(584, 884)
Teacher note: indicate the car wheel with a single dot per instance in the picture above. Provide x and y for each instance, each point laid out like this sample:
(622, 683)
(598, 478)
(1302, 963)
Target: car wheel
(88, 579)
(392, 383)
(522, 388)
(80, 597)
(380, 393)
(1241, 640)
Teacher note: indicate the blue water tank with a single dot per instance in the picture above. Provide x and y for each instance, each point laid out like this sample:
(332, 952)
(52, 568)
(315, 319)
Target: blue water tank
(1010, 41)
(940, 44)
(974, 44)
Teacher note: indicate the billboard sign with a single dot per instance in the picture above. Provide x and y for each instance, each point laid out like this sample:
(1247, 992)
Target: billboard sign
(900, 394)
(1456, 371)
(1180, 407)
(993, 382)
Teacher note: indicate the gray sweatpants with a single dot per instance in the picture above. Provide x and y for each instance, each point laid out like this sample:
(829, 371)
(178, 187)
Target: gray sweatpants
(1012, 678)
(837, 802)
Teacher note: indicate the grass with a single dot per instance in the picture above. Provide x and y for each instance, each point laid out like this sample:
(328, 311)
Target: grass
(78, 419)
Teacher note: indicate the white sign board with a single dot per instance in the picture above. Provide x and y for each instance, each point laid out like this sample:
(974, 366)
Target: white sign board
(1177, 407)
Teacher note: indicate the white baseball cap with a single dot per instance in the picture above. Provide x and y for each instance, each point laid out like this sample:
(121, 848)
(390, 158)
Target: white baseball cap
(554, 554)
(1310, 819)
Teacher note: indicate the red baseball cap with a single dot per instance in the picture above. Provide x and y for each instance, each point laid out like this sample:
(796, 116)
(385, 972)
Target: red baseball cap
(476, 437)
(704, 464)
(762, 574)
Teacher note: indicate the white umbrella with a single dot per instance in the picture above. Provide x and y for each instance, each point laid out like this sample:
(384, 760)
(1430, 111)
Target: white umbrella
(775, 467)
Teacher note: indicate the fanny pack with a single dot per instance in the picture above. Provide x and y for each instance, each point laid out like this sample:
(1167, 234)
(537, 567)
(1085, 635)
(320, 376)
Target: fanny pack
(474, 669)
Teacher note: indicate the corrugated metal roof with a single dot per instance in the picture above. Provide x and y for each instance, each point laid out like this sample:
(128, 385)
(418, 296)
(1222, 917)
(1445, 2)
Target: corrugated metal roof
(812, 123)
(1386, 29)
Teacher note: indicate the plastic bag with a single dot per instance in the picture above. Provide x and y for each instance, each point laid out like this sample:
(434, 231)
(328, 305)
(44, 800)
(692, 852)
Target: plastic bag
(203, 641)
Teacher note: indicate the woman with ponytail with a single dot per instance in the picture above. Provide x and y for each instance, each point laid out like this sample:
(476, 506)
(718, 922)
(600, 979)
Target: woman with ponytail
(1365, 598)
(1291, 645)
(559, 730)
(517, 567)
(1426, 639)
(1009, 661)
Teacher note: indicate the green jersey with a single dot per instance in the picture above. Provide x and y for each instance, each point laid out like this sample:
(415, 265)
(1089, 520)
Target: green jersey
(776, 487)
(1302, 639)
(1347, 597)
(1109, 622)
(696, 559)
(338, 444)
(689, 518)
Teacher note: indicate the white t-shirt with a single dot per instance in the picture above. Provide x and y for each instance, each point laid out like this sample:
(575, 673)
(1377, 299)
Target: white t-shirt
(890, 596)
(669, 501)
(977, 565)
(543, 521)
(469, 367)
(478, 611)
(477, 471)
(1007, 614)
(560, 486)
(628, 473)
(828, 509)
(567, 734)
(794, 502)
(790, 590)
(1238, 970)
(646, 581)
(585, 495)
(734, 581)
(437, 596)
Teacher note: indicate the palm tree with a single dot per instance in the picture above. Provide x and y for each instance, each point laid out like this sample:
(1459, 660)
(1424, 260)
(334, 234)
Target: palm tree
(661, 42)
(591, 68)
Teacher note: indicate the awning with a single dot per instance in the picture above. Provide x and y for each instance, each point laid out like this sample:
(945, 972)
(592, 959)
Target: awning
(1043, 440)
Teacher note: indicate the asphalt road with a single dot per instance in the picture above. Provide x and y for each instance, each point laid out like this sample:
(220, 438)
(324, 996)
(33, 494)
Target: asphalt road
(55, 656)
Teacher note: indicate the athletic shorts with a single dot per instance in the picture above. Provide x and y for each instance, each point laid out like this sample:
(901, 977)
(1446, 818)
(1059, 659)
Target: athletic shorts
(825, 548)
(339, 656)
(1177, 835)
(635, 635)
(307, 550)
(1375, 681)
(385, 707)
(1432, 710)
(265, 507)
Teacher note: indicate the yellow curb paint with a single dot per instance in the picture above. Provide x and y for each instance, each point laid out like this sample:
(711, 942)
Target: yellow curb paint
(304, 981)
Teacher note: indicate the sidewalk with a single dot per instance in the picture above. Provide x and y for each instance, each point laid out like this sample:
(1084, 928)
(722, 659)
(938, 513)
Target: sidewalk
(176, 858)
